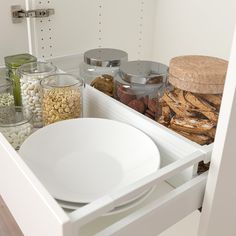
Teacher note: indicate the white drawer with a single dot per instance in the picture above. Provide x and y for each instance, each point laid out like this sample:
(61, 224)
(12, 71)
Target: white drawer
(37, 213)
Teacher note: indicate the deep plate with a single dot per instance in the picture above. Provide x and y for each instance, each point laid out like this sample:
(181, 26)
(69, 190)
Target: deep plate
(70, 206)
(84, 159)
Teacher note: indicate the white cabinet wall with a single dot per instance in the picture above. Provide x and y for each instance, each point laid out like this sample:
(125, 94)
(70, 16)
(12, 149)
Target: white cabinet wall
(146, 29)
(194, 27)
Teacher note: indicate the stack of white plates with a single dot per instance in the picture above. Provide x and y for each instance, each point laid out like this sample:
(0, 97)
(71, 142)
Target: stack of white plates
(81, 160)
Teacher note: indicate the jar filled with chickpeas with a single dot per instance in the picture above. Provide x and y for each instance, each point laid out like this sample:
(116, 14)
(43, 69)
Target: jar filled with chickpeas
(62, 98)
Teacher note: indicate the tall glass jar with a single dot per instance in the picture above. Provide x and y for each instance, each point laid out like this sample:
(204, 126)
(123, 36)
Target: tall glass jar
(62, 97)
(6, 93)
(100, 66)
(15, 124)
(31, 91)
(13, 63)
(140, 84)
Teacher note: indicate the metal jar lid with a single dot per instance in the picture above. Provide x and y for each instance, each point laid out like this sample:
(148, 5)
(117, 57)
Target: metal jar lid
(143, 72)
(15, 61)
(105, 57)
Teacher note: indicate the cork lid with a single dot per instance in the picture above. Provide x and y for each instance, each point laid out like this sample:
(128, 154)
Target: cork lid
(198, 74)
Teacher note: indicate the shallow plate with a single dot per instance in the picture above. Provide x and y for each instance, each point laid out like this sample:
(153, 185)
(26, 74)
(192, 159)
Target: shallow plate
(84, 159)
(70, 206)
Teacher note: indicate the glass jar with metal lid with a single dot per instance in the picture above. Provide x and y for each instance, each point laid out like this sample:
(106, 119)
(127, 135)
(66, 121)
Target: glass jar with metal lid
(12, 63)
(140, 84)
(100, 66)
(6, 93)
(62, 97)
(31, 91)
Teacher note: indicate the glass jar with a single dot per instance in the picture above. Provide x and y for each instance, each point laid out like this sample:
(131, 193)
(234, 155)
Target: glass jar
(62, 97)
(6, 93)
(100, 66)
(191, 106)
(13, 63)
(140, 84)
(15, 124)
(31, 91)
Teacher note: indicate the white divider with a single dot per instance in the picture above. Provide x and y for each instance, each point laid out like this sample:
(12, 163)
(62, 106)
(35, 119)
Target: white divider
(171, 145)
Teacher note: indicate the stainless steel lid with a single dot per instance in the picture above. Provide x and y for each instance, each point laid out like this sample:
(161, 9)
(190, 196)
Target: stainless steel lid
(105, 57)
(143, 72)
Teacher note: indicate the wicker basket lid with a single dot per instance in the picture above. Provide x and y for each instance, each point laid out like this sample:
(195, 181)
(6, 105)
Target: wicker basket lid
(198, 74)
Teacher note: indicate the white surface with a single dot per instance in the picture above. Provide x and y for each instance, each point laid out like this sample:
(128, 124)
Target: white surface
(14, 38)
(193, 27)
(83, 159)
(173, 206)
(186, 227)
(219, 208)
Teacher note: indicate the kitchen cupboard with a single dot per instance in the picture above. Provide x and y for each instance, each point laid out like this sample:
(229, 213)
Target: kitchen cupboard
(146, 29)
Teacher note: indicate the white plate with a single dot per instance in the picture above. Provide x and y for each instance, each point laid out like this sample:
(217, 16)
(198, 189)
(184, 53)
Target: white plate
(84, 159)
(70, 206)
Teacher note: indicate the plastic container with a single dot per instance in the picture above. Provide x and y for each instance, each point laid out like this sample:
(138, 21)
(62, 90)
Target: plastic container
(6, 93)
(15, 124)
(140, 84)
(31, 90)
(100, 66)
(62, 98)
(191, 107)
(13, 63)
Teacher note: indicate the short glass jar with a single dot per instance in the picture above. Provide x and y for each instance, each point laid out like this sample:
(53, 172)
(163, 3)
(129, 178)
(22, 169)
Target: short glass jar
(6, 93)
(31, 90)
(100, 66)
(140, 84)
(13, 63)
(15, 124)
(62, 97)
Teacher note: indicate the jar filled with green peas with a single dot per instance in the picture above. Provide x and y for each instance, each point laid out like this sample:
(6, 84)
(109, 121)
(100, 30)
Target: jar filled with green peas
(12, 63)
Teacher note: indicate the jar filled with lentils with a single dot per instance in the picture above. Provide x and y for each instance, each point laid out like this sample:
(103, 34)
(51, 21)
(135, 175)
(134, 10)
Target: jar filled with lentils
(6, 93)
(62, 98)
(31, 91)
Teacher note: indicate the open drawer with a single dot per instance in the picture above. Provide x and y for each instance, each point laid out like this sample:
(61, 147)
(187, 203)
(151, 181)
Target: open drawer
(37, 213)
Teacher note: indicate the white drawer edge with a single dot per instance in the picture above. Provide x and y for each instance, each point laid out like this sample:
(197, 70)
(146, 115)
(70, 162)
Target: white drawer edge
(159, 215)
(27, 199)
(99, 207)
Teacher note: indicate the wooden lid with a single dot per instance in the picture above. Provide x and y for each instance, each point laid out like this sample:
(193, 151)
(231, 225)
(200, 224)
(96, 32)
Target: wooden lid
(198, 74)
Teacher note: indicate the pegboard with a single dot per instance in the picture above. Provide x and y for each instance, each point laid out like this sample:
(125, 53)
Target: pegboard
(80, 25)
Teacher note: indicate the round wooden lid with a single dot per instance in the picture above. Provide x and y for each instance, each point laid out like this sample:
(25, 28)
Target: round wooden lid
(198, 74)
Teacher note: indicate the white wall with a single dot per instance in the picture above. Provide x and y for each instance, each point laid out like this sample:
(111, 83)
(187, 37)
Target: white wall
(193, 27)
(13, 37)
